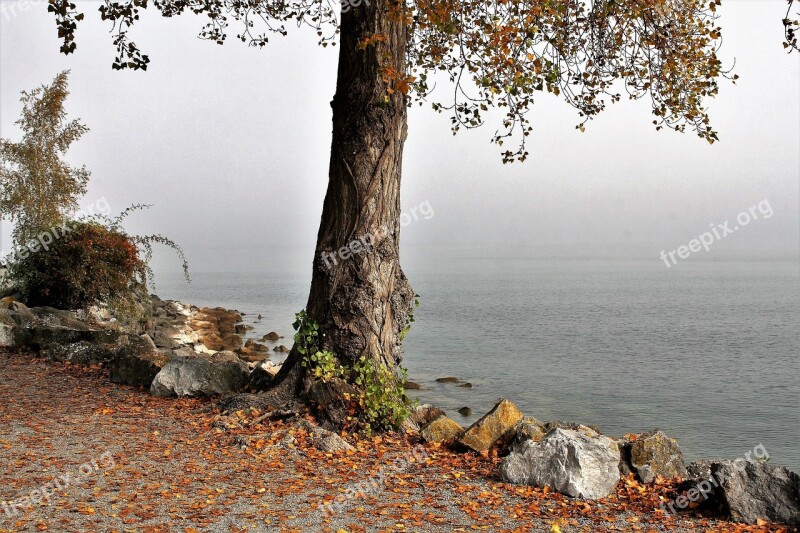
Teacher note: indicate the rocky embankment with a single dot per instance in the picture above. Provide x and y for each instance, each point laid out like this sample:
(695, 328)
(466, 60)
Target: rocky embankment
(189, 351)
(182, 350)
(580, 462)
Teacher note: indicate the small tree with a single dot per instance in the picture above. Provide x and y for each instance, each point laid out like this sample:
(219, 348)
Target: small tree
(37, 187)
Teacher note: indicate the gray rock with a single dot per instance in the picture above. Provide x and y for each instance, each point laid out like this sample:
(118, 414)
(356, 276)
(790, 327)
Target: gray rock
(656, 454)
(79, 353)
(572, 462)
(40, 336)
(260, 379)
(550, 426)
(184, 351)
(526, 429)
(12, 333)
(23, 315)
(201, 376)
(447, 380)
(699, 470)
(465, 411)
(424, 414)
(324, 440)
(136, 364)
(751, 490)
(50, 316)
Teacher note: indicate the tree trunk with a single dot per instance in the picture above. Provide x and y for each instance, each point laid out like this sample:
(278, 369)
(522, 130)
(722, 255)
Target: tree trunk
(359, 294)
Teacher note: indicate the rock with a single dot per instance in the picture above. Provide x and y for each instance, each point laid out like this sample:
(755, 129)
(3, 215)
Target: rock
(550, 426)
(49, 316)
(447, 380)
(625, 467)
(24, 316)
(324, 440)
(424, 414)
(442, 429)
(466, 385)
(79, 353)
(271, 336)
(253, 351)
(165, 338)
(147, 343)
(410, 385)
(465, 411)
(184, 351)
(231, 342)
(482, 435)
(43, 335)
(752, 490)
(136, 364)
(260, 379)
(241, 329)
(200, 375)
(99, 313)
(568, 461)
(8, 335)
(12, 329)
(258, 347)
(656, 454)
(282, 349)
(699, 470)
(408, 426)
(526, 429)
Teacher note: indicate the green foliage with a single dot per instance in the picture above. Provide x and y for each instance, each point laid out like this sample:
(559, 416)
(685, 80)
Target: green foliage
(37, 188)
(90, 264)
(382, 403)
(383, 400)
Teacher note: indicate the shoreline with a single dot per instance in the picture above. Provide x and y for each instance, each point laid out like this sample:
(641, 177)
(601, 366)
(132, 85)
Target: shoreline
(187, 351)
(176, 469)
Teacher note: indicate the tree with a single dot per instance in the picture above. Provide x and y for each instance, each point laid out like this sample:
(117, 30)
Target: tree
(37, 188)
(490, 53)
(790, 27)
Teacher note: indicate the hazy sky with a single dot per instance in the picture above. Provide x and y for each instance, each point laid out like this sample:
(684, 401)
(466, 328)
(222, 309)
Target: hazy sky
(231, 145)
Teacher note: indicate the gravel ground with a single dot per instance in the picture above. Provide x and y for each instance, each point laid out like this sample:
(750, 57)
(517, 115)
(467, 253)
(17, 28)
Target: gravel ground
(125, 461)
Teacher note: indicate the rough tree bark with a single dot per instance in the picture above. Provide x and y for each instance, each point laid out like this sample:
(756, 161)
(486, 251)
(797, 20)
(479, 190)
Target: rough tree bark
(361, 298)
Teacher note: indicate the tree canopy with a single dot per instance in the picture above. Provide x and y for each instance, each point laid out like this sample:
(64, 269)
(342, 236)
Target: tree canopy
(496, 53)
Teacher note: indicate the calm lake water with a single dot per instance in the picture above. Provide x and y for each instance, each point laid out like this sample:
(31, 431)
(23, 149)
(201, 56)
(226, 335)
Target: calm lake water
(706, 351)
